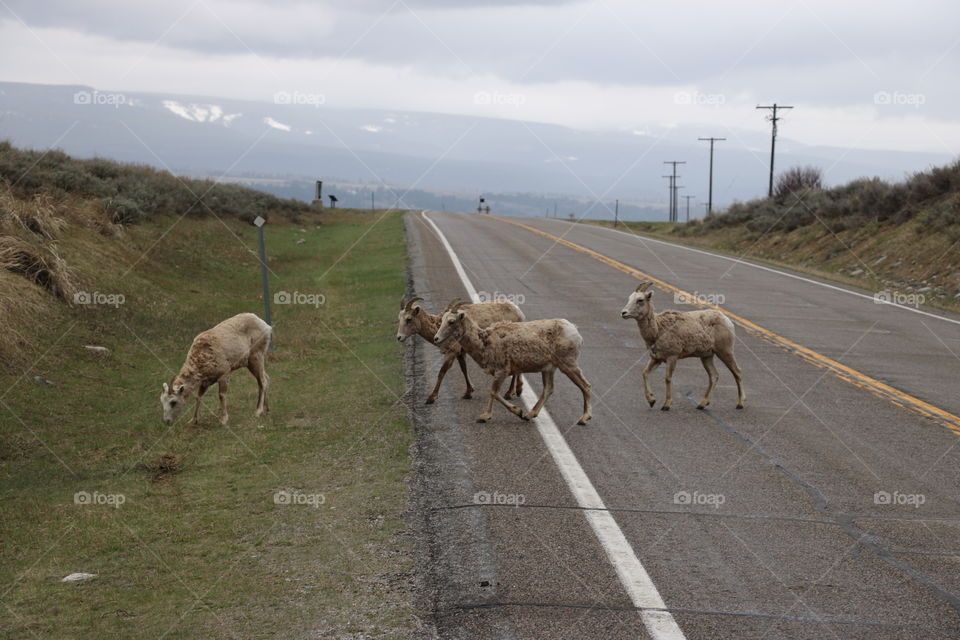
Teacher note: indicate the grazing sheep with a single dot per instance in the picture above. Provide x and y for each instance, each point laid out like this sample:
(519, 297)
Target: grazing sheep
(672, 335)
(240, 341)
(414, 318)
(513, 348)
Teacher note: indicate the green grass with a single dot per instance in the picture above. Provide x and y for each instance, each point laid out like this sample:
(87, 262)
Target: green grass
(200, 549)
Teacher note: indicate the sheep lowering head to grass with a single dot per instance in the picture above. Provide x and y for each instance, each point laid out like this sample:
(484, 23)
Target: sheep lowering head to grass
(240, 341)
(672, 335)
(414, 319)
(514, 348)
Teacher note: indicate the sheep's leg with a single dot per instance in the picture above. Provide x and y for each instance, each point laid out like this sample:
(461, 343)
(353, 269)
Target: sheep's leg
(222, 391)
(728, 359)
(576, 376)
(258, 369)
(447, 362)
(512, 408)
(196, 412)
(494, 395)
(712, 377)
(668, 383)
(547, 377)
(516, 387)
(462, 361)
(653, 364)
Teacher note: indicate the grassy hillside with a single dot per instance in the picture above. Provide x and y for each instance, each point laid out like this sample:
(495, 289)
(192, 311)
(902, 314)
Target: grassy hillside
(903, 239)
(287, 526)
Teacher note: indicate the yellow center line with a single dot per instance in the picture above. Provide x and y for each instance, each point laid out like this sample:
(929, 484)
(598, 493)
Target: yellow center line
(842, 371)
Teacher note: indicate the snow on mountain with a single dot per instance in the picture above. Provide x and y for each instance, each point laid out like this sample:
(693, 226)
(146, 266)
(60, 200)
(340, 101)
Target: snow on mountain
(200, 112)
(270, 122)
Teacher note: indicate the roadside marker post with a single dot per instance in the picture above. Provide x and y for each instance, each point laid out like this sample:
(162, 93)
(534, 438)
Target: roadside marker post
(264, 276)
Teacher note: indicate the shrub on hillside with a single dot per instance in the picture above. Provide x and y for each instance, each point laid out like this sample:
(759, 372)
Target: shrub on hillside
(797, 180)
(132, 192)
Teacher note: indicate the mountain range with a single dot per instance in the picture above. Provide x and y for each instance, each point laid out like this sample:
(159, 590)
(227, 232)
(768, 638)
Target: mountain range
(429, 159)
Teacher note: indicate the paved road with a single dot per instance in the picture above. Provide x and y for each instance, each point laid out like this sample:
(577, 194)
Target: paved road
(788, 540)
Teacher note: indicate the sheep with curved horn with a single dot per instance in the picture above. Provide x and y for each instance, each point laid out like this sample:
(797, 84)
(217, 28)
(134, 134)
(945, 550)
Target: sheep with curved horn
(674, 335)
(414, 319)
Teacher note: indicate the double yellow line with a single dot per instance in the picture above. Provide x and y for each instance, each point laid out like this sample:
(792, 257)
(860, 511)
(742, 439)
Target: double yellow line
(842, 371)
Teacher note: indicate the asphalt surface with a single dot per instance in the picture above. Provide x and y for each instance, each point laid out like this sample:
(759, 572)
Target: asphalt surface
(784, 535)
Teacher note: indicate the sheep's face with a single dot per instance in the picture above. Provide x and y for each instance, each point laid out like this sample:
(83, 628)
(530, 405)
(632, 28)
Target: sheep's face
(637, 305)
(451, 326)
(409, 323)
(172, 402)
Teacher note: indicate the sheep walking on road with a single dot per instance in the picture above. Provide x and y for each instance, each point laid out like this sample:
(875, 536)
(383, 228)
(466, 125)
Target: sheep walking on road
(514, 348)
(240, 341)
(414, 319)
(672, 335)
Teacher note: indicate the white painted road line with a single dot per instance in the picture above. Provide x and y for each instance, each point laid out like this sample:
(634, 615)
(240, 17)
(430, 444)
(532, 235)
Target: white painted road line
(643, 239)
(634, 577)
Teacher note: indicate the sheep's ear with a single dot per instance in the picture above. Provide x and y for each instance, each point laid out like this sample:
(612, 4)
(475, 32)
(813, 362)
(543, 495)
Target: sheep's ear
(648, 295)
(415, 311)
(461, 315)
(166, 389)
(179, 390)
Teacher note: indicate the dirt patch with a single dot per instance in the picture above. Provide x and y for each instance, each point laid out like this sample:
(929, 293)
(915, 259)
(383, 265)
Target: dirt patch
(163, 467)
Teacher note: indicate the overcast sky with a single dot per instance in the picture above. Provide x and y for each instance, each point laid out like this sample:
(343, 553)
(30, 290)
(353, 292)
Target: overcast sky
(860, 74)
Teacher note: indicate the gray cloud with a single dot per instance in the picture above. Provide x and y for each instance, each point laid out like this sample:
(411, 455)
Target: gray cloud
(825, 53)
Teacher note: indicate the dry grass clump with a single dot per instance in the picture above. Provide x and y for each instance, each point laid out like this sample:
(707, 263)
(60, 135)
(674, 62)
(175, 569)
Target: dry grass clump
(39, 264)
(40, 215)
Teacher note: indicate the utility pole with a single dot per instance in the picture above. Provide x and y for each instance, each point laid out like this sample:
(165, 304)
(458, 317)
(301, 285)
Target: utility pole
(688, 206)
(616, 212)
(554, 209)
(773, 137)
(670, 196)
(710, 189)
(372, 205)
(673, 188)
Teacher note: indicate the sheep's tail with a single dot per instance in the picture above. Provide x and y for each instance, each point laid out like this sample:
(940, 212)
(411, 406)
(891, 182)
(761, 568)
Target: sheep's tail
(571, 333)
(729, 323)
(520, 316)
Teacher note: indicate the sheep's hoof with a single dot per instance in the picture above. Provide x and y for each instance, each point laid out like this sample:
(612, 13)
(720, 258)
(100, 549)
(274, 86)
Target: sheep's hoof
(481, 420)
(582, 422)
(523, 416)
(430, 400)
(664, 408)
(652, 402)
(739, 406)
(701, 407)
(467, 396)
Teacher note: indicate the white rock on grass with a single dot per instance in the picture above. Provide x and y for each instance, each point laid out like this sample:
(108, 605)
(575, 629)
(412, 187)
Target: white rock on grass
(96, 348)
(79, 577)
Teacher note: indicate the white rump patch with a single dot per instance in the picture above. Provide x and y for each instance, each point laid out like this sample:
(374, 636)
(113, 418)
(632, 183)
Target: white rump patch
(570, 332)
(729, 323)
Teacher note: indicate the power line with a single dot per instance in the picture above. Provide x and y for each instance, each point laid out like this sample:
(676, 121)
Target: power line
(773, 137)
(710, 190)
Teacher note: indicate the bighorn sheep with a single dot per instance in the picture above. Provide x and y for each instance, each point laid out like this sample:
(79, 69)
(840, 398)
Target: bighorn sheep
(414, 318)
(513, 348)
(240, 341)
(672, 335)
